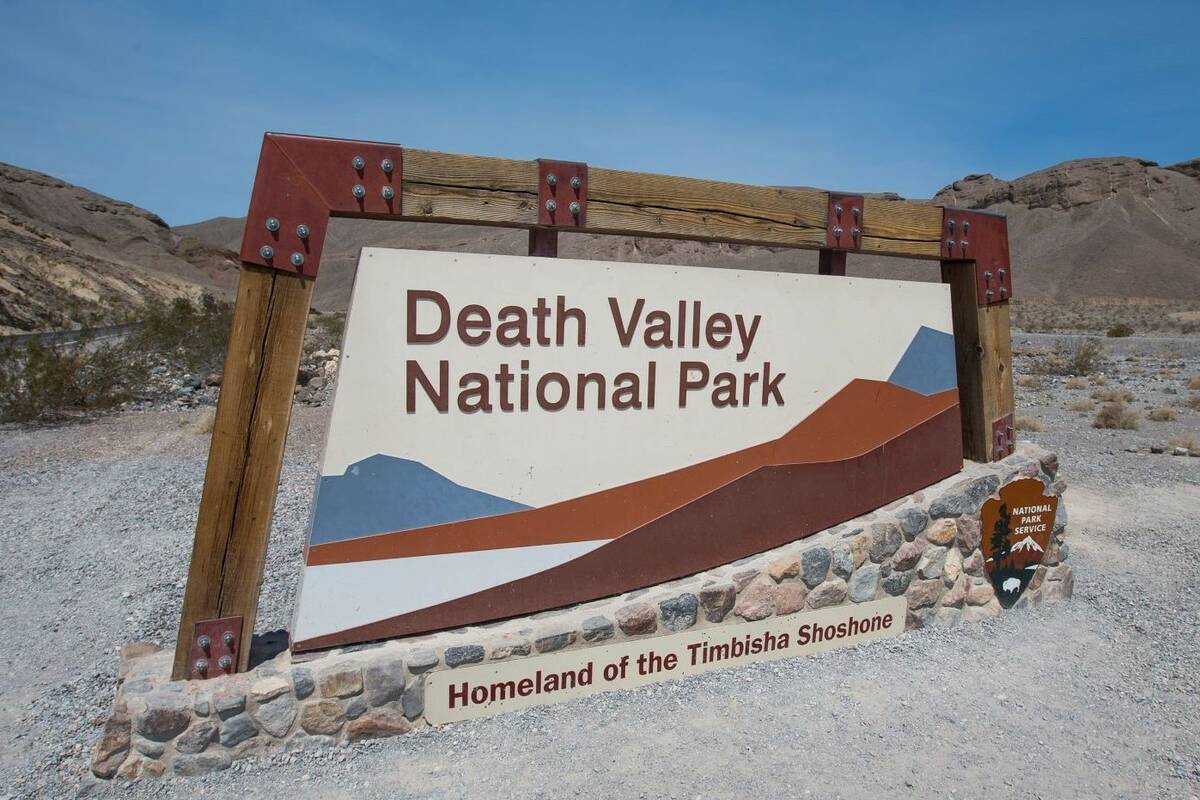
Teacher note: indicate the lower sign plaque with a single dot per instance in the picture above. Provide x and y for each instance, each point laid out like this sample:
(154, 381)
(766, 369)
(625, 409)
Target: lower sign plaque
(487, 689)
(1016, 533)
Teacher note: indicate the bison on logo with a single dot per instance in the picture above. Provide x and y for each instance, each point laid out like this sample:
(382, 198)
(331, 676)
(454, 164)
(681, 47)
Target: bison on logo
(1016, 533)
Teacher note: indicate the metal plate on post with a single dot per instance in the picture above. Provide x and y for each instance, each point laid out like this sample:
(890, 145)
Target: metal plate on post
(562, 193)
(843, 230)
(215, 645)
(982, 238)
(1004, 438)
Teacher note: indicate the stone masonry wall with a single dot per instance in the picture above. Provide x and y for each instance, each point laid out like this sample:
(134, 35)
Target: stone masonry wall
(926, 546)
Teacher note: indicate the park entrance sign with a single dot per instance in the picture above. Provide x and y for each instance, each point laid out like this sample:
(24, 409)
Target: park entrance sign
(519, 434)
(512, 434)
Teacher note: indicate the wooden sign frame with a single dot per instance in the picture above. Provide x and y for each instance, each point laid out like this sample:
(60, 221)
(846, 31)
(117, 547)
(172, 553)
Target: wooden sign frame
(304, 181)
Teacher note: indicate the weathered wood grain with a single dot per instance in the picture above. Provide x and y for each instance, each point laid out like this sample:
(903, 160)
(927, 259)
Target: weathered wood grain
(244, 460)
(983, 356)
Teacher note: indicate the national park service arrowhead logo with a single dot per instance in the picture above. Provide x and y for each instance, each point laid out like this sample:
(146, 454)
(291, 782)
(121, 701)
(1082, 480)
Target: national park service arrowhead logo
(1016, 533)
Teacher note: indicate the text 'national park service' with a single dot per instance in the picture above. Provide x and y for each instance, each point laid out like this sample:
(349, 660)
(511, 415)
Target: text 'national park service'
(517, 385)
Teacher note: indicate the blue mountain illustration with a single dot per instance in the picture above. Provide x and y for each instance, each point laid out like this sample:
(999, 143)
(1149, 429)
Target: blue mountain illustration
(383, 493)
(927, 366)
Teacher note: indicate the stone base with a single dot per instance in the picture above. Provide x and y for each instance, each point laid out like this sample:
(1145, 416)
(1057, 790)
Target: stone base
(926, 547)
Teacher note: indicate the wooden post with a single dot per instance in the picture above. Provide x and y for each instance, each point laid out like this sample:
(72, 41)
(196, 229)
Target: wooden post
(245, 456)
(543, 242)
(983, 356)
(831, 262)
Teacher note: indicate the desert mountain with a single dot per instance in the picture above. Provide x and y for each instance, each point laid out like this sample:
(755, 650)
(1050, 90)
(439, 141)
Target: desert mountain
(71, 257)
(1092, 229)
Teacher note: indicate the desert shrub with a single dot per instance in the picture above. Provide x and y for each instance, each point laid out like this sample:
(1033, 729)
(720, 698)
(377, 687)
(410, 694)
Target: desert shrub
(325, 331)
(1082, 357)
(1120, 330)
(40, 382)
(1116, 415)
(1187, 439)
(192, 335)
(1194, 383)
(1118, 394)
(1028, 424)
(1029, 382)
(1161, 414)
(1097, 379)
(1082, 404)
(1077, 383)
(1193, 402)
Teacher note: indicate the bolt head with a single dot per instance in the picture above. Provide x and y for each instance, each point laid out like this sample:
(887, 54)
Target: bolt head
(297, 259)
(201, 666)
(272, 224)
(949, 243)
(551, 206)
(225, 662)
(387, 165)
(266, 252)
(576, 182)
(855, 231)
(837, 231)
(856, 211)
(227, 638)
(388, 193)
(302, 231)
(950, 224)
(575, 208)
(358, 191)
(838, 211)
(964, 244)
(204, 642)
(358, 162)
(551, 179)
(966, 226)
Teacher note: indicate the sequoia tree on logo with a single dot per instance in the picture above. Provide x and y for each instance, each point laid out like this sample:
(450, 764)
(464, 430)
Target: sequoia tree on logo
(1019, 523)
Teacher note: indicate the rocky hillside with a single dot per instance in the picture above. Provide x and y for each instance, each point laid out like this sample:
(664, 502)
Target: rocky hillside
(70, 257)
(1092, 231)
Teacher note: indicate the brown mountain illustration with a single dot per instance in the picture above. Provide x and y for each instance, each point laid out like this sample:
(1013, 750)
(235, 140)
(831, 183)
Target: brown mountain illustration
(870, 443)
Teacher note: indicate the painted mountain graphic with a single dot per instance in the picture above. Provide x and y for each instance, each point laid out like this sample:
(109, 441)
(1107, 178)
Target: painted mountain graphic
(1026, 544)
(383, 493)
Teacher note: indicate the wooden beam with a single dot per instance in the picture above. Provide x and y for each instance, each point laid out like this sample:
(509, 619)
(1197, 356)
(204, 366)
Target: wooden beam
(475, 190)
(983, 356)
(246, 455)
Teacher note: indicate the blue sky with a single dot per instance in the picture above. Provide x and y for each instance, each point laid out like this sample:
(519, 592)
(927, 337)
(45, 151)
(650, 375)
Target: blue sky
(163, 104)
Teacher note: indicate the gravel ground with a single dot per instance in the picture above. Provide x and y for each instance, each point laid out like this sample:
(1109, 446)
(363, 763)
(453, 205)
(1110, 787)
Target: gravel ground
(1096, 697)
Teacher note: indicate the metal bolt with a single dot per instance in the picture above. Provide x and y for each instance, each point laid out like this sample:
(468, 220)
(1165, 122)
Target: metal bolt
(1010, 432)
(950, 243)
(966, 226)
(1003, 293)
(225, 662)
(227, 638)
(201, 665)
(551, 179)
(272, 224)
(837, 231)
(988, 293)
(387, 165)
(950, 224)
(575, 208)
(1000, 272)
(358, 162)
(204, 643)
(359, 191)
(302, 231)
(855, 231)
(388, 193)
(987, 277)
(855, 211)
(837, 210)
(576, 182)
(551, 206)
(267, 252)
(297, 259)
(964, 244)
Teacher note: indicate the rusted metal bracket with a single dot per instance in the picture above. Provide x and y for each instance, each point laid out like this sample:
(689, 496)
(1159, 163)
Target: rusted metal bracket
(304, 180)
(215, 646)
(844, 221)
(562, 193)
(1004, 439)
(983, 238)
